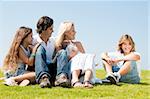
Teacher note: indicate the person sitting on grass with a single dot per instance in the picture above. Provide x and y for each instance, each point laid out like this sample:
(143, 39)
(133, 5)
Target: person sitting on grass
(122, 66)
(19, 59)
(79, 63)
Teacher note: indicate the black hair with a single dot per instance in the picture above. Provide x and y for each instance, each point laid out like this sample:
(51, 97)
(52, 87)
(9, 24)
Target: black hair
(43, 23)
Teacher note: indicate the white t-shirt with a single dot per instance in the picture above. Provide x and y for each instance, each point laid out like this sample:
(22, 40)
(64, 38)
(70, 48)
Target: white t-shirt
(50, 47)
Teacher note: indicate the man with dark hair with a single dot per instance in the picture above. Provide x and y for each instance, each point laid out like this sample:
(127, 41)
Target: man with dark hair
(44, 68)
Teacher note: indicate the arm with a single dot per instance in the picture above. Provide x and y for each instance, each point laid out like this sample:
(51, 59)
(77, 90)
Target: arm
(130, 57)
(106, 58)
(26, 59)
(80, 47)
(57, 48)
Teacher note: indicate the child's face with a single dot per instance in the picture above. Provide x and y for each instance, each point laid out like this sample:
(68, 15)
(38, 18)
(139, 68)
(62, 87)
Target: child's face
(28, 39)
(126, 47)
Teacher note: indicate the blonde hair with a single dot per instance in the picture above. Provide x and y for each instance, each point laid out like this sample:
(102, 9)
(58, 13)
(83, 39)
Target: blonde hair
(121, 41)
(10, 61)
(64, 27)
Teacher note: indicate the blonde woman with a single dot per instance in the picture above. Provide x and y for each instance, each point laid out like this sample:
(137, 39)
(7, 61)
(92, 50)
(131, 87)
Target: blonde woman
(19, 58)
(122, 65)
(79, 63)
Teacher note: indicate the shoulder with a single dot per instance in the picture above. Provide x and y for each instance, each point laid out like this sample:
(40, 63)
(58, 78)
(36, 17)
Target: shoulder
(115, 53)
(137, 53)
(36, 39)
(77, 42)
(52, 40)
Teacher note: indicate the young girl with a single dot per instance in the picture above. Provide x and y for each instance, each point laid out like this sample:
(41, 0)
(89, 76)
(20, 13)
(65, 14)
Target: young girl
(123, 64)
(19, 58)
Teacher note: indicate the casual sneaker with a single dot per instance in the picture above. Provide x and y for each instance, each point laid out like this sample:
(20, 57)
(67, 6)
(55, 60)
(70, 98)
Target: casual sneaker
(44, 82)
(117, 75)
(114, 79)
(24, 82)
(62, 81)
(10, 82)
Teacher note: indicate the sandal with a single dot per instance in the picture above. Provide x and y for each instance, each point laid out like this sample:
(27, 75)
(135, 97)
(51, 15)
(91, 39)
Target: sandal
(77, 84)
(88, 84)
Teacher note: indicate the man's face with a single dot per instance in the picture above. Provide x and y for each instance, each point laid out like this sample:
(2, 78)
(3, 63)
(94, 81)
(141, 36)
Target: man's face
(49, 31)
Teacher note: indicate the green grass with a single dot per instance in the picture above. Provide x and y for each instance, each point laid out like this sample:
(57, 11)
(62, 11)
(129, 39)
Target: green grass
(123, 91)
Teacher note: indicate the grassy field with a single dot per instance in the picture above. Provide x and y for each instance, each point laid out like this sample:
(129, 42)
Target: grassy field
(123, 91)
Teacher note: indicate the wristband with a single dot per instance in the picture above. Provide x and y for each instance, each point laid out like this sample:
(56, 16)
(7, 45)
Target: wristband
(32, 55)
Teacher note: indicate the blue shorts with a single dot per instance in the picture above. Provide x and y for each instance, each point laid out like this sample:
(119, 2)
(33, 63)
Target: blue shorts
(20, 71)
(132, 76)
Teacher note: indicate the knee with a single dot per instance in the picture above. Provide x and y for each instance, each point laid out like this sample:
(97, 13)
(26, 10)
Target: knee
(89, 70)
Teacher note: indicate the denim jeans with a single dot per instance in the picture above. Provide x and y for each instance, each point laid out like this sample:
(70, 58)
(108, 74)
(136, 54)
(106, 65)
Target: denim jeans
(42, 67)
(63, 64)
(20, 71)
(132, 76)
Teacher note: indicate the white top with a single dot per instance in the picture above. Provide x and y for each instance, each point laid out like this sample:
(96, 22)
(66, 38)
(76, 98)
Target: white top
(82, 61)
(49, 47)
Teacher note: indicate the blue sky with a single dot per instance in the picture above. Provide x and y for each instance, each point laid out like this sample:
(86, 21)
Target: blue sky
(99, 24)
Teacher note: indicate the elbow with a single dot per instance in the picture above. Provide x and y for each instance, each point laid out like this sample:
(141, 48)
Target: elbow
(30, 63)
(138, 57)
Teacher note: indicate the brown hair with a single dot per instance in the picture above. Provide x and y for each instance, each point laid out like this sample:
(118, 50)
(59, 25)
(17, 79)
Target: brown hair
(10, 61)
(121, 41)
(43, 23)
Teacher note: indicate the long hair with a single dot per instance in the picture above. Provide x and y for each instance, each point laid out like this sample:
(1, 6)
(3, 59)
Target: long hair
(64, 27)
(121, 41)
(10, 61)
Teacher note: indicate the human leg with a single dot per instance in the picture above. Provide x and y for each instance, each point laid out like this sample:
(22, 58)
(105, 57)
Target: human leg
(107, 67)
(75, 79)
(22, 80)
(41, 68)
(63, 70)
(87, 79)
(30, 76)
(131, 75)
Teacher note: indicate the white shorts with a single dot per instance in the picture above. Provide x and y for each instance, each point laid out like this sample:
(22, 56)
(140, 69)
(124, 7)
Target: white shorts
(83, 62)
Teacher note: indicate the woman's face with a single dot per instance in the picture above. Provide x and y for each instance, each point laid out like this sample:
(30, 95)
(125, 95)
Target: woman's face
(126, 47)
(71, 34)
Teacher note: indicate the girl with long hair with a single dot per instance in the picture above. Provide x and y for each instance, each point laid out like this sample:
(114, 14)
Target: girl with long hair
(20, 58)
